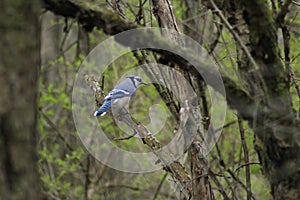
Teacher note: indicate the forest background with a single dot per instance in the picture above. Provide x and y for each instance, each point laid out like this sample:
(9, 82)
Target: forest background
(254, 44)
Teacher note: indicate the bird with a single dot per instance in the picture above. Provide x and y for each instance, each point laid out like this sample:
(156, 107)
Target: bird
(125, 89)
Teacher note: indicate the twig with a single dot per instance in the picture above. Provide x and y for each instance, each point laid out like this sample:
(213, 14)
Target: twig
(246, 164)
(283, 11)
(235, 35)
(130, 9)
(219, 185)
(222, 166)
(246, 156)
(286, 42)
(296, 3)
(78, 49)
(295, 83)
(295, 57)
(225, 126)
(87, 178)
(229, 54)
(258, 75)
(125, 138)
(164, 92)
(141, 14)
(160, 185)
(241, 183)
(214, 44)
(274, 6)
(60, 134)
(67, 29)
(108, 185)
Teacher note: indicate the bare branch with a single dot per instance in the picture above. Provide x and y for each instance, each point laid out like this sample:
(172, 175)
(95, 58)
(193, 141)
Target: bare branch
(246, 164)
(125, 138)
(246, 157)
(160, 185)
(296, 3)
(89, 15)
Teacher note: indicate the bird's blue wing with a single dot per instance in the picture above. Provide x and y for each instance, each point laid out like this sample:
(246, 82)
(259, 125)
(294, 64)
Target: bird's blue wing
(103, 108)
(124, 89)
(115, 94)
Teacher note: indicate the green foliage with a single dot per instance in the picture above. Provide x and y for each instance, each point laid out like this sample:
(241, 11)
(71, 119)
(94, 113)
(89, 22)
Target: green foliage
(56, 96)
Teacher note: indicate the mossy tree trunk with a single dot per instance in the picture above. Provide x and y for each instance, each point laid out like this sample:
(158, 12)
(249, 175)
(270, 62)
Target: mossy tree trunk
(265, 78)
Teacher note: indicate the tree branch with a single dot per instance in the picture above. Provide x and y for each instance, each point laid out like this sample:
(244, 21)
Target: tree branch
(177, 170)
(90, 16)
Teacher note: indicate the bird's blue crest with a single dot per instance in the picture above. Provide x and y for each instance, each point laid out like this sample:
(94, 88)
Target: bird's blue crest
(133, 76)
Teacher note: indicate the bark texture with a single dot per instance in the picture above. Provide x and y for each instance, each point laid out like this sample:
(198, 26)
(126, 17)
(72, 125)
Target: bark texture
(273, 119)
(200, 181)
(19, 62)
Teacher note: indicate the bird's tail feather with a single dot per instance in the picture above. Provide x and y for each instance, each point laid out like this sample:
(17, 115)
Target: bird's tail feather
(103, 108)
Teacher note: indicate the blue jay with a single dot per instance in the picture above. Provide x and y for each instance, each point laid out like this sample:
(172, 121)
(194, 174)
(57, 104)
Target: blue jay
(125, 89)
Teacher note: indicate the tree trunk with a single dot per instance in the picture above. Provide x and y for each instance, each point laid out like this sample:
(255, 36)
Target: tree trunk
(200, 181)
(19, 63)
(273, 120)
